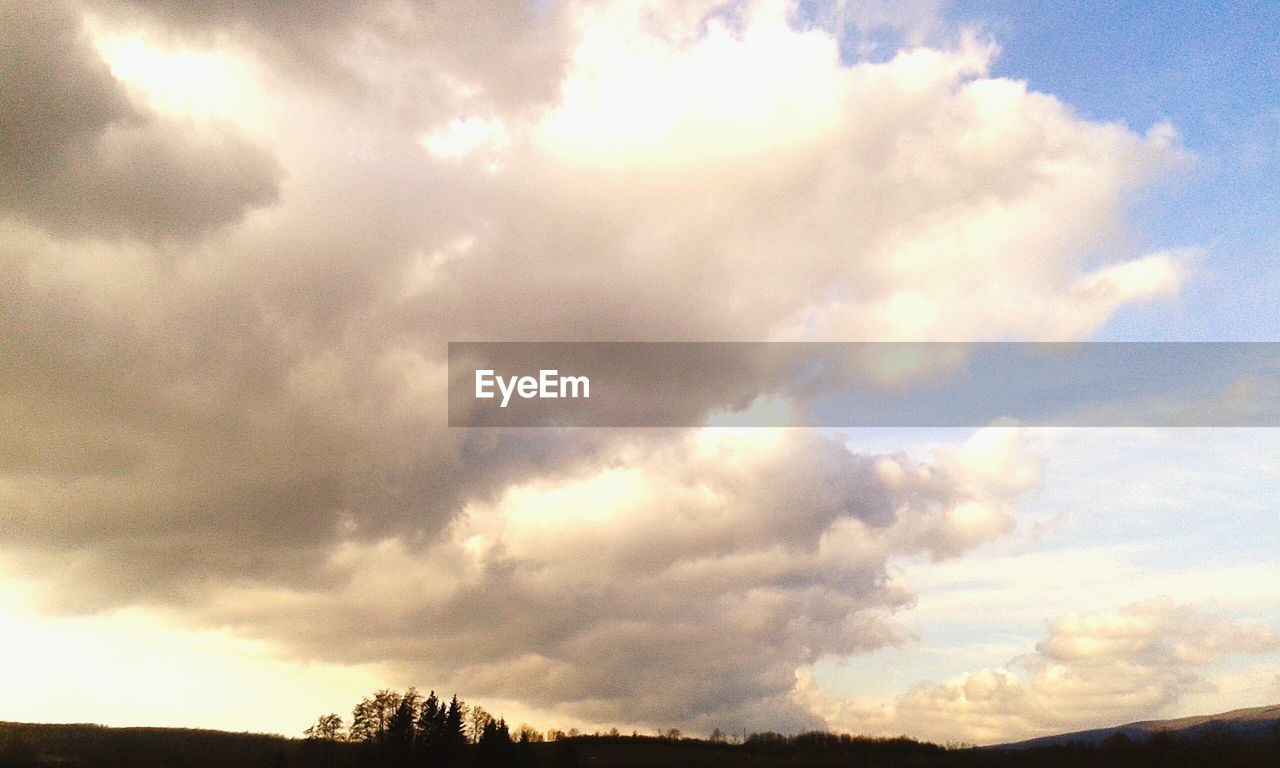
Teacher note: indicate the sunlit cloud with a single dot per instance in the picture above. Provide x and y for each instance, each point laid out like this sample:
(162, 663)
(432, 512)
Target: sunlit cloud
(236, 240)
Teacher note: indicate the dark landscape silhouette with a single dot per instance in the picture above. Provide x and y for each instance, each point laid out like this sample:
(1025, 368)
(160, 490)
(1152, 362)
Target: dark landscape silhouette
(389, 729)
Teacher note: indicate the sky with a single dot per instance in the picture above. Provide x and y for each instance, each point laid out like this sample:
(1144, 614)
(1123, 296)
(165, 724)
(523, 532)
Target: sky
(234, 244)
(1210, 71)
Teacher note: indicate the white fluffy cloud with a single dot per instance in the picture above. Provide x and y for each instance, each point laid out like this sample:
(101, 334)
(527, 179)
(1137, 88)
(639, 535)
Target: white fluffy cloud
(1092, 670)
(914, 198)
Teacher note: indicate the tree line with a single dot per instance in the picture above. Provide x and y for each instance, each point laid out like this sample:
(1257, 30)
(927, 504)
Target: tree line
(408, 721)
(409, 729)
(389, 730)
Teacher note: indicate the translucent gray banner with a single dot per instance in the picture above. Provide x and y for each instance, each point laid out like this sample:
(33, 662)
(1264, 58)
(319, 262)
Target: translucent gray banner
(871, 384)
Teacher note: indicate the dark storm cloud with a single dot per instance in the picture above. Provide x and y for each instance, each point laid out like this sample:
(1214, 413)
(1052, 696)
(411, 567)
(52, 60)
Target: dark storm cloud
(177, 434)
(80, 158)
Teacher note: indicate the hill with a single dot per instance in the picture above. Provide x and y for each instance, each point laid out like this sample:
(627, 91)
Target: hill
(32, 744)
(1253, 724)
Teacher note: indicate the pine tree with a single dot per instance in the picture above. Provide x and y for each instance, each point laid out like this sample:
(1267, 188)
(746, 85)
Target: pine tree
(430, 721)
(494, 748)
(401, 727)
(453, 739)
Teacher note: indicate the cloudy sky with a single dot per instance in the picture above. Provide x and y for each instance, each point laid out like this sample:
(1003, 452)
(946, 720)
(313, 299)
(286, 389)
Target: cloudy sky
(234, 244)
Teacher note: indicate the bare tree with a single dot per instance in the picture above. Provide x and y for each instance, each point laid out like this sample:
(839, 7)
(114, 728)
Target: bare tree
(477, 720)
(328, 727)
(372, 716)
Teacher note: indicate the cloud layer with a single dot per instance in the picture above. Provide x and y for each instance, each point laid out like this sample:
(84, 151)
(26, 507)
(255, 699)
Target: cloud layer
(80, 158)
(678, 585)
(1092, 670)
(224, 339)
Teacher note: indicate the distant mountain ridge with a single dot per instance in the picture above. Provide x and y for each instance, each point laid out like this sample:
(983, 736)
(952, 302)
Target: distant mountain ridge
(1249, 723)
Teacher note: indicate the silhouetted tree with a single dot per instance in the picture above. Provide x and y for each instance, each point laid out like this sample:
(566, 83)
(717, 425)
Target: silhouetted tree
(453, 738)
(372, 716)
(525, 757)
(402, 728)
(494, 748)
(326, 727)
(430, 727)
(477, 721)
